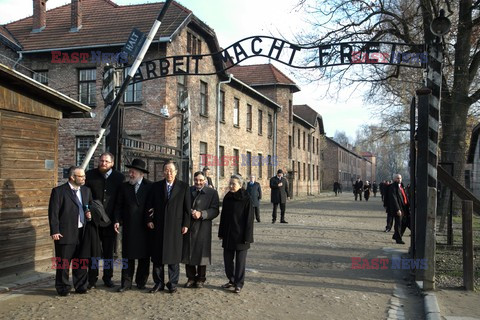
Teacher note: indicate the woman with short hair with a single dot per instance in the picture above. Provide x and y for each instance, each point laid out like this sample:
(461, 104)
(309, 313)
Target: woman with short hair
(236, 232)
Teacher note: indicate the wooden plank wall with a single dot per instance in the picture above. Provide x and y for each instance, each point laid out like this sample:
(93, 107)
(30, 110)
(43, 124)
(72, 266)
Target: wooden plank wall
(26, 141)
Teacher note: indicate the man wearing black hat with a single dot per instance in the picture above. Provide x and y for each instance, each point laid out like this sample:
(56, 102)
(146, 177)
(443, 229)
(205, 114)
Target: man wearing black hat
(279, 194)
(129, 212)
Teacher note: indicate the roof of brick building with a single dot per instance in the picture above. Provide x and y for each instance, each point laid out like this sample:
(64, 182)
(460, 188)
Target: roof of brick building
(309, 115)
(262, 75)
(104, 23)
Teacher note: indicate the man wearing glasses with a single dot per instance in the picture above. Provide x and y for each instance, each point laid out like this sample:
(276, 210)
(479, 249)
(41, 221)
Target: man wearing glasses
(104, 182)
(168, 215)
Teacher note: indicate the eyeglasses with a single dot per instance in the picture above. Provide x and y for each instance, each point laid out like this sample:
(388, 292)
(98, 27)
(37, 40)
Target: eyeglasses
(80, 176)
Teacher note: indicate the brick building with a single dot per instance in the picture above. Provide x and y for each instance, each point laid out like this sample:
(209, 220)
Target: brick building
(245, 113)
(345, 165)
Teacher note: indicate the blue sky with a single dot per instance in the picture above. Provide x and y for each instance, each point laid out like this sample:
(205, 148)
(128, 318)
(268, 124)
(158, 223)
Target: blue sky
(234, 20)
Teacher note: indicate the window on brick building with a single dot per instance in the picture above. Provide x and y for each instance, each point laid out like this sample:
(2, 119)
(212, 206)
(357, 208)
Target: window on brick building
(290, 111)
(298, 138)
(222, 106)
(313, 145)
(293, 137)
(249, 117)
(203, 98)
(260, 166)
(309, 142)
(309, 172)
(249, 164)
(303, 140)
(236, 112)
(304, 171)
(270, 126)
(299, 170)
(87, 86)
(203, 154)
(194, 45)
(82, 145)
(236, 161)
(133, 94)
(270, 167)
(221, 160)
(181, 87)
(290, 147)
(41, 76)
(318, 147)
(260, 122)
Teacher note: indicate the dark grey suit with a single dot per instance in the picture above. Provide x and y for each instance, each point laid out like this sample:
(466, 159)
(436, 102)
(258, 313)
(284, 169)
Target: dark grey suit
(63, 217)
(255, 192)
(279, 195)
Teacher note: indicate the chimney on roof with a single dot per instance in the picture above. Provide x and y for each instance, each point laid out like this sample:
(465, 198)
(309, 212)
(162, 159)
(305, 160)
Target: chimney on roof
(39, 15)
(76, 15)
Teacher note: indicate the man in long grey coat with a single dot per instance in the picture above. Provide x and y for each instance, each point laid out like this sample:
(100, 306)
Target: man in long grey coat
(280, 192)
(197, 243)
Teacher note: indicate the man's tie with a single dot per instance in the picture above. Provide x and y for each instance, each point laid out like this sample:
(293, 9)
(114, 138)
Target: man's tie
(403, 195)
(81, 213)
(169, 189)
(137, 186)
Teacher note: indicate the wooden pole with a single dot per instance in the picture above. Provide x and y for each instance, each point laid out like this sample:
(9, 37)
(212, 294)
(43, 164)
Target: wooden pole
(467, 236)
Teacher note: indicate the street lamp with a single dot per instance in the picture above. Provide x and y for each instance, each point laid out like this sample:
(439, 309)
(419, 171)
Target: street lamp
(440, 25)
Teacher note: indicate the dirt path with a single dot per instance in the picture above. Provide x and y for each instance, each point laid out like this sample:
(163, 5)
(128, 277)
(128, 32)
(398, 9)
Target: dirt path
(301, 270)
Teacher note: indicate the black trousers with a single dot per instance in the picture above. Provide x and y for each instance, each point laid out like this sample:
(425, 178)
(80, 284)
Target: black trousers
(143, 269)
(257, 213)
(108, 246)
(196, 273)
(79, 273)
(389, 221)
(173, 274)
(235, 262)
(358, 193)
(282, 212)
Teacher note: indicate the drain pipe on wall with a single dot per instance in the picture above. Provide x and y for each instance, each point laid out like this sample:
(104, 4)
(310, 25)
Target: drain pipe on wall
(274, 157)
(20, 54)
(217, 129)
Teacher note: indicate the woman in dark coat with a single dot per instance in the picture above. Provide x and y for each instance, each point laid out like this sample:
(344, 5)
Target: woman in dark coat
(236, 232)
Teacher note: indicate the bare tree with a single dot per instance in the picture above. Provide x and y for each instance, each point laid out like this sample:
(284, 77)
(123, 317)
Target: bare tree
(406, 21)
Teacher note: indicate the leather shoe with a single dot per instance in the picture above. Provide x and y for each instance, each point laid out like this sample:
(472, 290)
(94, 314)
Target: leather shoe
(227, 285)
(123, 289)
(156, 288)
(238, 289)
(81, 291)
(90, 286)
(64, 294)
(189, 284)
(199, 284)
(283, 221)
(141, 287)
(171, 288)
(400, 242)
(273, 221)
(109, 284)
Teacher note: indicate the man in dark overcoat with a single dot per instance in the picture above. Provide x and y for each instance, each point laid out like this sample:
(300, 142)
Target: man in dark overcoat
(130, 213)
(358, 189)
(104, 182)
(168, 211)
(197, 243)
(68, 217)
(279, 193)
(398, 206)
(255, 192)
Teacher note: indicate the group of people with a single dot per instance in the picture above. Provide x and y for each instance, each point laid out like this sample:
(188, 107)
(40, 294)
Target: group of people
(166, 222)
(397, 206)
(365, 189)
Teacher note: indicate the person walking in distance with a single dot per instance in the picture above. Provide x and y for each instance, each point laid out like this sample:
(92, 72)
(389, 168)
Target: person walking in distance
(168, 211)
(398, 207)
(129, 212)
(255, 191)
(358, 188)
(279, 193)
(197, 243)
(104, 181)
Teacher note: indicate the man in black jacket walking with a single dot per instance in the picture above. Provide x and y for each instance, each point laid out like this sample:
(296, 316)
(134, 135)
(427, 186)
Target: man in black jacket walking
(398, 206)
(104, 182)
(279, 194)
